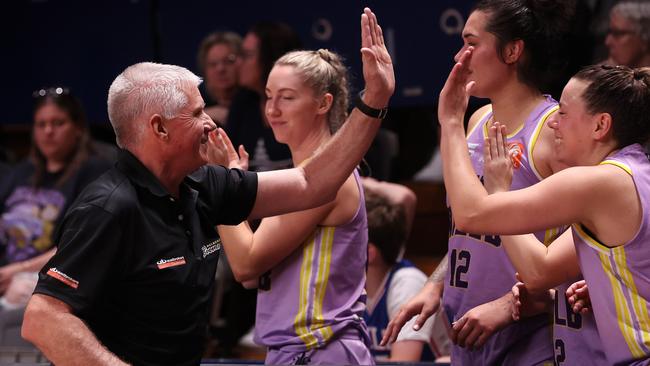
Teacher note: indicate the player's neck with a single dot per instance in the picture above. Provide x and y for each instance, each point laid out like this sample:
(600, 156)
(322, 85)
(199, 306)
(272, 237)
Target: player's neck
(512, 106)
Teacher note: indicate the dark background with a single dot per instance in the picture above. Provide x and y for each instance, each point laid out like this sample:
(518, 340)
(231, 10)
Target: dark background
(85, 44)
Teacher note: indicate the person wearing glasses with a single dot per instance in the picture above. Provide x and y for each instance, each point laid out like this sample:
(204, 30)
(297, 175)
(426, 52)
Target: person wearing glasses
(218, 60)
(628, 37)
(264, 43)
(132, 279)
(60, 165)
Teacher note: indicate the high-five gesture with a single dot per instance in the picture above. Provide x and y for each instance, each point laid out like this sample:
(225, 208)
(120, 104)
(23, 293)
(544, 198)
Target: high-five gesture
(377, 65)
(454, 96)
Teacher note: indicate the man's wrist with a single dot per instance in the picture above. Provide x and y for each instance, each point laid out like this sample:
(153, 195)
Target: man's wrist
(368, 106)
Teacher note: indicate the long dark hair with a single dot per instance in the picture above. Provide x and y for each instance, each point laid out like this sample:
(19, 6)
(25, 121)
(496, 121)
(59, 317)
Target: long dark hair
(541, 24)
(275, 39)
(72, 106)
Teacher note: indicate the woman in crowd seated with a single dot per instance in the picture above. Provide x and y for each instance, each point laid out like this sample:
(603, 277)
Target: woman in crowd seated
(218, 60)
(39, 190)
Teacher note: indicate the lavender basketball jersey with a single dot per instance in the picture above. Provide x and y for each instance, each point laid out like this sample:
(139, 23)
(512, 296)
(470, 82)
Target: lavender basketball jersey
(619, 277)
(318, 292)
(575, 336)
(479, 269)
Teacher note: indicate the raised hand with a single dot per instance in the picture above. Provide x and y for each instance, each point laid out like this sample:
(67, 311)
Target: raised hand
(497, 162)
(454, 96)
(377, 65)
(578, 296)
(221, 151)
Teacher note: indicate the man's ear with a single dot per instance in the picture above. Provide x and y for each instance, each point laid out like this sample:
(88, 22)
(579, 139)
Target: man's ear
(603, 125)
(513, 51)
(325, 103)
(157, 125)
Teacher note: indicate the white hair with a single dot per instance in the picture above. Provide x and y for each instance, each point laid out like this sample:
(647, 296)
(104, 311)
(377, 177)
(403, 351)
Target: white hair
(142, 90)
(638, 14)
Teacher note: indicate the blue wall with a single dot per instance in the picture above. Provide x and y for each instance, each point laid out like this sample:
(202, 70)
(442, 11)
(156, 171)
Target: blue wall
(85, 44)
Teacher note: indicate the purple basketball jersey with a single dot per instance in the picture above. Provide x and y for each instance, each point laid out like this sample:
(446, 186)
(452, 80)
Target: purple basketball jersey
(619, 277)
(575, 336)
(479, 269)
(318, 292)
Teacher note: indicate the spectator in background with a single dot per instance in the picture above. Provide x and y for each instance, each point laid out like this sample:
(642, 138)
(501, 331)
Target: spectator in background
(628, 37)
(392, 281)
(247, 126)
(60, 165)
(218, 60)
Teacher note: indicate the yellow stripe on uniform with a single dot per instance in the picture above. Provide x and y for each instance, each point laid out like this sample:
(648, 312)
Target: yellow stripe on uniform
(300, 321)
(623, 315)
(322, 278)
(550, 235)
(618, 164)
(639, 305)
(535, 136)
(593, 243)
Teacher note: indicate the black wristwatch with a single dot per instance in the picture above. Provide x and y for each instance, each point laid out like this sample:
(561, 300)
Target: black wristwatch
(368, 110)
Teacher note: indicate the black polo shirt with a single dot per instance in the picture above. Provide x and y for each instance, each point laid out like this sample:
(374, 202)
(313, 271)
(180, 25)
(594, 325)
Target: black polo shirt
(137, 265)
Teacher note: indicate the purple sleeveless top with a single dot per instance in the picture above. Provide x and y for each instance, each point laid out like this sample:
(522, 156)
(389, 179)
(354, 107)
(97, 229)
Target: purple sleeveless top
(575, 336)
(318, 292)
(479, 269)
(619, 277)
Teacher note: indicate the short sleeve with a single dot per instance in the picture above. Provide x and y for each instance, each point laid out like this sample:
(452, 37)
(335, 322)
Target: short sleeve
(226, 195)
(86, 260)
(406, 283)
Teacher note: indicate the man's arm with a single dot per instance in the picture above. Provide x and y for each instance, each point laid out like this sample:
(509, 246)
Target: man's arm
(66, 340)
(317, 180)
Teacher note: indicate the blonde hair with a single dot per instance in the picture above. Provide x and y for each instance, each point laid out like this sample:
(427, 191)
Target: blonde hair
(142, 90)
(324, 72)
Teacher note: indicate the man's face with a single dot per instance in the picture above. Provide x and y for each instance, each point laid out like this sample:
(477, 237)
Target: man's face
(188, 132)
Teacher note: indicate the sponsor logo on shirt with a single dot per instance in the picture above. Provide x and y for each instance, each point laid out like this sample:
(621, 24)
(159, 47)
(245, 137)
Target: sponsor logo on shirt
(55, 273)
(171, 262)
(211, 247)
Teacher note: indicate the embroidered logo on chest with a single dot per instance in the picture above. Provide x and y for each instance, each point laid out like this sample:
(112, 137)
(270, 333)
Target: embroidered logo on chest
(211, 247)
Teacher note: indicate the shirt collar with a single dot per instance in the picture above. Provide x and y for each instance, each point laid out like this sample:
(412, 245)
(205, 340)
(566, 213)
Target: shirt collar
(139, 174)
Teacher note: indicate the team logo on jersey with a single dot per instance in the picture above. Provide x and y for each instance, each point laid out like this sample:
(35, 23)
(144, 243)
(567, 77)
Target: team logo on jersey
(55, 273)
(516, 152)
(171, 262)
(472, 148)
(211, 247)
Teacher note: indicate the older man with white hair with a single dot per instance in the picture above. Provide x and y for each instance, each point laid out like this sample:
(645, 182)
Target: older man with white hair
(137, 251)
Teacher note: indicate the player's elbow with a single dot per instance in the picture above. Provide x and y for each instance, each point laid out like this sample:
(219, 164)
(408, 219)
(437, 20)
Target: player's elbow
(244, 274)
(465, 221)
